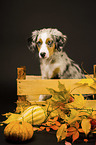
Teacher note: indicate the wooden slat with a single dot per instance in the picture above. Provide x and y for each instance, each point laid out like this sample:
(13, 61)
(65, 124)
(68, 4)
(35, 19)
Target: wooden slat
(90, 104)
(21, 75)
(94, 71)
(38, 86)
(31, 77)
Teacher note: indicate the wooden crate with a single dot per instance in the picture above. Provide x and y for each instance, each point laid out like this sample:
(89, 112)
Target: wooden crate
(29, 87)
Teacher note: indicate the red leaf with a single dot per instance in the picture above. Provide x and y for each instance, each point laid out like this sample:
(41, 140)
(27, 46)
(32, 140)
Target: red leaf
(71, 99)
(54, 127)
(55, 118)
(48, 123)
(85, 140)
(57, 123)
(81, 130)
(41, 128)
(50, 120)
(75, 135)
(69, 133)
(77, 125)
(71, 129)
(47, 129)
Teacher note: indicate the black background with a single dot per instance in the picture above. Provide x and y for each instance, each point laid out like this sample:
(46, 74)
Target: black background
(18, 18)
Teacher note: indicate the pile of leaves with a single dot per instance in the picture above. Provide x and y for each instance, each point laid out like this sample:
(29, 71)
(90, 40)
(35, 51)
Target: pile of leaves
(68, 115)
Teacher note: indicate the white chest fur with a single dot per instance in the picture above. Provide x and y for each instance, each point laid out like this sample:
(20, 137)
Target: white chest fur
(52, 66)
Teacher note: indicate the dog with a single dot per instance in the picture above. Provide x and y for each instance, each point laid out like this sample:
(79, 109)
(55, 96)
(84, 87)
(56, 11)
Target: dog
(54, 62)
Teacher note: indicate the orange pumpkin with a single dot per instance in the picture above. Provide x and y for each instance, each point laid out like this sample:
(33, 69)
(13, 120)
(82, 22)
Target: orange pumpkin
(18, 131)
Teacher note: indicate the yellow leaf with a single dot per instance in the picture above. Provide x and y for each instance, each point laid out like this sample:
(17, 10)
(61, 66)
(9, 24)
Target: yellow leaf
(94, 115)
(89, 82)
(78, 102)
(74, 119)
(86, 126)
(83, 114)
(7, 114)
(61, 86)
(73, 116)
(61, 132)
(12, 117)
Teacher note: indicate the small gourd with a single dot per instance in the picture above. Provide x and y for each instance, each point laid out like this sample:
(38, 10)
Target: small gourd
(34, 115)
(18, 131)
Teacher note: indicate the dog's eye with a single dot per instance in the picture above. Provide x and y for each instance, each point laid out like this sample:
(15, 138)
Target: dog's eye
(39, 43)
(49, 43)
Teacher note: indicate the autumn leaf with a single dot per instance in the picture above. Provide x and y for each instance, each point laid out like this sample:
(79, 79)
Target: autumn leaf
(35, 128)
(54, 127)
(83, 113)
(61, 132)
(47, 129)
(94, 131)
(41, 128)
(72, 129)
(67, 143)
(85, 140)
(61, 113)
(69, 134)
(62, 95)
(7, 114)
(73, 116)
(77, 125)
(48, 123)
(61, 86)
(12, 117)
(55, 118)
(94, 114)
(86, 126)
(57, 123)
(75, 135)
(77, 104)
(80, 130)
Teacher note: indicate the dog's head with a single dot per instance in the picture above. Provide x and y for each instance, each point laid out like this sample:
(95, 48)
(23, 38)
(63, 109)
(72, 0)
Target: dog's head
(47, 41)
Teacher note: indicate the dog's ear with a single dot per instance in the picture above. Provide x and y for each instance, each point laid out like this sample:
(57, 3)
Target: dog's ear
(60, 42)
(32, 40)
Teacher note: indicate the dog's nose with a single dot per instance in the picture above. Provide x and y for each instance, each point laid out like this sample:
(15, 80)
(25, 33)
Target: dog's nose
(42, 54)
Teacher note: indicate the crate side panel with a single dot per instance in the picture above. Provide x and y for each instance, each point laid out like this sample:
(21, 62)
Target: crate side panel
(37, 87)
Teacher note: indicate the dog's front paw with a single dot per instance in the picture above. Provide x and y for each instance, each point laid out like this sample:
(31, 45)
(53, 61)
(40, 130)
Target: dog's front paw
(44, 77)
(44, 97)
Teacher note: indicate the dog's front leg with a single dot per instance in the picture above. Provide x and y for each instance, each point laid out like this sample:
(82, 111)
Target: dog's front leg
(44, 97)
